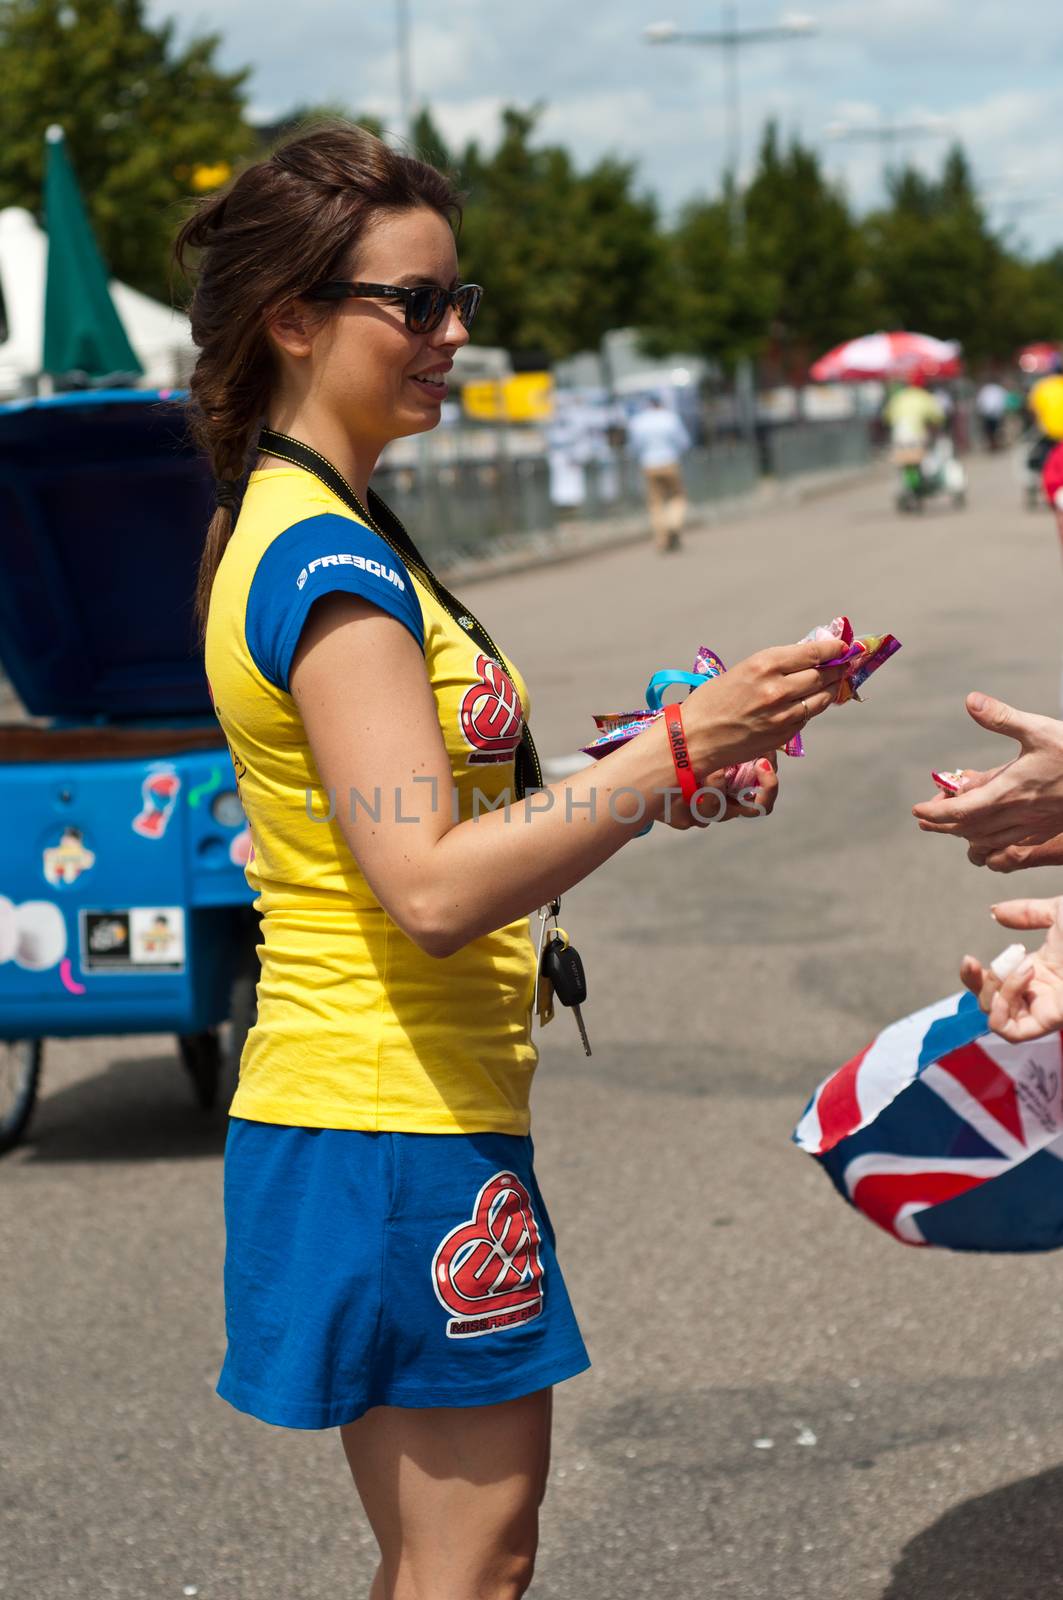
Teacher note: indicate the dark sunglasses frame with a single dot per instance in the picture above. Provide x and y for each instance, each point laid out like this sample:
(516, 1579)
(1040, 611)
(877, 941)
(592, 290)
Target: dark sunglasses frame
(425, 305)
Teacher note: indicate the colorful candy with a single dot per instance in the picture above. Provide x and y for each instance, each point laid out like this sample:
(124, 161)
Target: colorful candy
(861, 655)
(954, 782)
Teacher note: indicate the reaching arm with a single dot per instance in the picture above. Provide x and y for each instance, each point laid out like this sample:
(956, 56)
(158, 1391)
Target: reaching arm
(359, 682)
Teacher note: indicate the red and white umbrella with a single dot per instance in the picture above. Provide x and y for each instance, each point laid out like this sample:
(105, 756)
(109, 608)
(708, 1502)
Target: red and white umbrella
(883, 356)
(1037, 359)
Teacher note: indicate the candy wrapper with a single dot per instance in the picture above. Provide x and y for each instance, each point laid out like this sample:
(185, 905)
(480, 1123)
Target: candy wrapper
(955, 782)
(861, 655)
(944, 1134)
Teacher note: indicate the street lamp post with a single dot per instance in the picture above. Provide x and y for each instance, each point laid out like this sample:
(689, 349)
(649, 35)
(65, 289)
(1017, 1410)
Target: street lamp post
(402, 24)
(887, 132)
(730, 39)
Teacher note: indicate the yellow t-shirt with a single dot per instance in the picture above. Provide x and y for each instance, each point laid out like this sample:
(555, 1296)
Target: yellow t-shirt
(1046, 403)
(357, 1027)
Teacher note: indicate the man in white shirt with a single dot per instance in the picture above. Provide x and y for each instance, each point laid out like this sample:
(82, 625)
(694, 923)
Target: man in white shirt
(657, 438)
(991, 403)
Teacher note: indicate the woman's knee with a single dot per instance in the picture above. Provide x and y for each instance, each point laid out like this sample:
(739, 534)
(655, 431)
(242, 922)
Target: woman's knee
(504, 1573)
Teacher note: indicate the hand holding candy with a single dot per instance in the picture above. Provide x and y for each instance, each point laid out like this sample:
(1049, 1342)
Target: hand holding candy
(770, 696)
(1021, 803)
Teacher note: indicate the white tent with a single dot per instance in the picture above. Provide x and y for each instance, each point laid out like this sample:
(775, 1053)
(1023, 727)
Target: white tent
(160, 336)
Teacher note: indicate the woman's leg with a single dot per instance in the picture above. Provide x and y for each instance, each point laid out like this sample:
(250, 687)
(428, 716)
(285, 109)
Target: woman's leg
(452, 1495)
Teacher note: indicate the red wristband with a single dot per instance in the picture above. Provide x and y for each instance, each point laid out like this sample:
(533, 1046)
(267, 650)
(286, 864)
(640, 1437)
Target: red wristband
(684, 770)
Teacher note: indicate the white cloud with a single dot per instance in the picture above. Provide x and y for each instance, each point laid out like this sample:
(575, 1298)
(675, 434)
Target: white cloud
(996, 74)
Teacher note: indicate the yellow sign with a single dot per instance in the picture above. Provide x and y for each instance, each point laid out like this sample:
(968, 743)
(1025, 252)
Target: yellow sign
(207, 177)
(526, 397)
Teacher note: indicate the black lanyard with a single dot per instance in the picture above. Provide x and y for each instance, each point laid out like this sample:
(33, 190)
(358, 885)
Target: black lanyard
(527, 773)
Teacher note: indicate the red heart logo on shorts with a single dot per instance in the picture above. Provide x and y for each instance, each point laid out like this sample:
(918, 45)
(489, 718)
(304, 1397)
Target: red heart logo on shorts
(488, 1271)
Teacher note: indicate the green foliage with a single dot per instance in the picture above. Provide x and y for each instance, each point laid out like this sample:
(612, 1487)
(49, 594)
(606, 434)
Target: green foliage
(803, 241)
(938, 266)
(142, 117)
(564, 255)
(715, 298)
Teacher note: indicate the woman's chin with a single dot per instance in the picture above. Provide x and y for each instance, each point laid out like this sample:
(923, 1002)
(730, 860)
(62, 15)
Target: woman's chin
(420, 421)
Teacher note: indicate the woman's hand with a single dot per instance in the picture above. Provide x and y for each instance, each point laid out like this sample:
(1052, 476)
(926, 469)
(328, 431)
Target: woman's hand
(752, 800)
(760, 704)
(1029, 1002)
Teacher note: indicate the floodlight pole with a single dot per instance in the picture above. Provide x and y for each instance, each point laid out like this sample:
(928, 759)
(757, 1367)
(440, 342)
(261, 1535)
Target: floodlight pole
(402, 22)
(888, 134)
(730, 39)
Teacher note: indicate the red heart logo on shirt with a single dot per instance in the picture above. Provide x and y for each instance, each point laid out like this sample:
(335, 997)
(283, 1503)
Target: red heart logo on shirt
(488, 1271)
(491, 714)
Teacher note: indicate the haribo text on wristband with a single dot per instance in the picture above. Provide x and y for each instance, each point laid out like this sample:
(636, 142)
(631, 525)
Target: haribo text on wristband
(677, 744)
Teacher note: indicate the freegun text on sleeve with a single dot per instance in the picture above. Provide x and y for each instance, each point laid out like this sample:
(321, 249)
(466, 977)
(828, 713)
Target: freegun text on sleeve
(625, 805)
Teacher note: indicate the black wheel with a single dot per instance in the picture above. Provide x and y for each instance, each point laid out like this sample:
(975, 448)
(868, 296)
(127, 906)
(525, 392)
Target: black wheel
(20, 1077)
(243, 1011)
(243, 997)
(201, 1054)
(959, 500)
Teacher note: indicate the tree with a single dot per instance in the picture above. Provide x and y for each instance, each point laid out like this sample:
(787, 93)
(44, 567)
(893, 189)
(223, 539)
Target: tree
(148, 125)
(803, 242)
(938, 266)
(713, 299)
(563, 256)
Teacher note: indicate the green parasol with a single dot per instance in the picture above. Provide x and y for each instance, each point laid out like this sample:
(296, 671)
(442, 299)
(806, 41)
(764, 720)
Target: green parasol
(82, 330)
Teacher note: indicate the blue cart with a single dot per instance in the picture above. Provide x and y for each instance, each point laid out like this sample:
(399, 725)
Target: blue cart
(123, 902)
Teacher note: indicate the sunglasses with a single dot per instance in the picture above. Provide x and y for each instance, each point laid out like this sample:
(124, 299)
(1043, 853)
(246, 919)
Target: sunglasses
(425, 306)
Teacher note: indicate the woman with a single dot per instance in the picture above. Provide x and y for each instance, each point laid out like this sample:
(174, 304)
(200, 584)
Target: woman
(390, 1265)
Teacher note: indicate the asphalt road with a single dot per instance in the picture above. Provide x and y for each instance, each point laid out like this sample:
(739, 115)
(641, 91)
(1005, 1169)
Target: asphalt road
(913, 1401)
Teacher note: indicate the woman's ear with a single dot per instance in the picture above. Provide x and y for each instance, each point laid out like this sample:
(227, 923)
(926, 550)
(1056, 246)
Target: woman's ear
(293, 328)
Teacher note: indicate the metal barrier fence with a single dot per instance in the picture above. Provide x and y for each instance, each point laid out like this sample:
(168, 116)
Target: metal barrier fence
(819, 447)
(458, 509)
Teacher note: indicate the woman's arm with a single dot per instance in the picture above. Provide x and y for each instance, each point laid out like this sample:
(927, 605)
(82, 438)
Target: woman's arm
(359, 682)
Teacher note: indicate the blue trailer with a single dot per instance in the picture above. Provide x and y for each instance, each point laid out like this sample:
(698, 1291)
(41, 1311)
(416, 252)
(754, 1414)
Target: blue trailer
(124, 907)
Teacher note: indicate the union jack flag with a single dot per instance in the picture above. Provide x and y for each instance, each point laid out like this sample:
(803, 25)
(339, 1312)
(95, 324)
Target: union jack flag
(944, 1134)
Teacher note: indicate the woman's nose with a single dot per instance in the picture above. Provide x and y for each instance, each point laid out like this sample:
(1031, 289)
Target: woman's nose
(451, 331)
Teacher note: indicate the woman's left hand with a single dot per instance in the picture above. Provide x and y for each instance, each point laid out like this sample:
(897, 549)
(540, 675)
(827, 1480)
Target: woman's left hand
(1029, 1002)
(723, 807)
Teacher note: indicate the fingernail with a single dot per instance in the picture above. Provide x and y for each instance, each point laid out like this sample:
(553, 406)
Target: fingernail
(993, 912)
(976, 702)
(765, 766)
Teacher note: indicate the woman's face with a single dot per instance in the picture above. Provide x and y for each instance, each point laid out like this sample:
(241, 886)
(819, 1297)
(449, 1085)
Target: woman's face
(379, 380)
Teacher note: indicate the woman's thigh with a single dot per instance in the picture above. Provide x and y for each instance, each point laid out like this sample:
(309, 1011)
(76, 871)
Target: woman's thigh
(452, 1494)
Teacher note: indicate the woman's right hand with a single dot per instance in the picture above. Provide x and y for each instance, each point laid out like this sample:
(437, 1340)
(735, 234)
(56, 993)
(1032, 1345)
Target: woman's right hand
(761, 703)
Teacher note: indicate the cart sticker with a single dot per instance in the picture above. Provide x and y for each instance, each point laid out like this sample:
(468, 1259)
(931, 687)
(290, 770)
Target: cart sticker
(241, 850)
(66, 861)
(157, 936)
(8, 929)
(137, 940)
(39, 929)
(159, 793)
(69, 982)
(201, 790)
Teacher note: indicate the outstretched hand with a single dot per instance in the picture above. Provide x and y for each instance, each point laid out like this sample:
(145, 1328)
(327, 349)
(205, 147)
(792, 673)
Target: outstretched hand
(1028, 1003)
(1019, 804)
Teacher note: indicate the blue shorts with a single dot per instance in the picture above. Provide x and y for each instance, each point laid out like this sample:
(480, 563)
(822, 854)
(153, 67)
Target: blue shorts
(387, 1269)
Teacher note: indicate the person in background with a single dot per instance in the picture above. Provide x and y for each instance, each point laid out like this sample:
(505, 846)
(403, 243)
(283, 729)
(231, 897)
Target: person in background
(991, 403)
(913, 415)
(1045, 405)
(658, 440)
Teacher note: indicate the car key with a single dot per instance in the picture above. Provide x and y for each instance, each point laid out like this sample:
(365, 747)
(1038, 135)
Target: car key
(563, 970)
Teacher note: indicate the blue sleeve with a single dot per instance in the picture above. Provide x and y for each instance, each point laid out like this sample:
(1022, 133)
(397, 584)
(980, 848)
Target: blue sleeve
(311, 559)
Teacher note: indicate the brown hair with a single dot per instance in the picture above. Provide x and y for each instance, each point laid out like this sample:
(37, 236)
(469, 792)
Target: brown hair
(284, 224)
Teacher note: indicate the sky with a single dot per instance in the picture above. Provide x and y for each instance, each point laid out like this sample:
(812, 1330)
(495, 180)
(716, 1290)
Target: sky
(990, 71)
